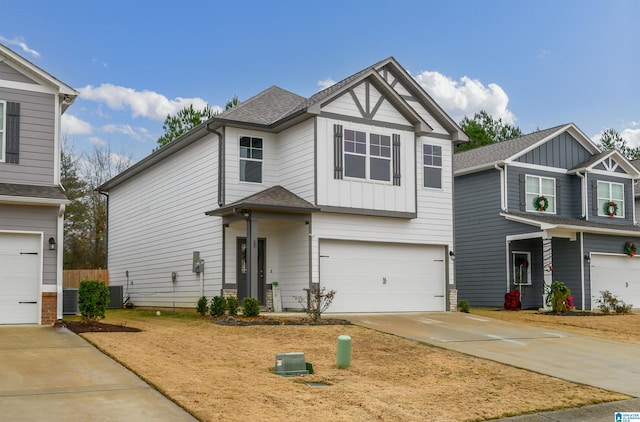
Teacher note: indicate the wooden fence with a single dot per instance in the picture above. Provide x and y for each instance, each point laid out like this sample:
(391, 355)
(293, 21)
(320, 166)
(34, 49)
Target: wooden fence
(72, 278)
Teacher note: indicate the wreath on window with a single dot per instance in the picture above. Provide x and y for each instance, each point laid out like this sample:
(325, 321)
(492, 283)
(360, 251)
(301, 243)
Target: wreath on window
(630, 249)
(541, 203)
(611, 208)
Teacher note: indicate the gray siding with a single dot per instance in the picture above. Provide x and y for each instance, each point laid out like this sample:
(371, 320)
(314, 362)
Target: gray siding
(37, 122)
(481, 270)
(566, 266)
(568, 191)
(563, 151)
(35, 219)
(629, 203)
(8, 73)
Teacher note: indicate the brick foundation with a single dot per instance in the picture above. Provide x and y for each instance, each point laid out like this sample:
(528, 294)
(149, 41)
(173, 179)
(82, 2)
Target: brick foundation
(453, 299)
(49, 308)
(229, 293)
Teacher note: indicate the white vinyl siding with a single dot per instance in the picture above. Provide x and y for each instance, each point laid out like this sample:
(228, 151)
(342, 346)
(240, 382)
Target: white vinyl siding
(157, 221)
(295, 160)
(537, 186)
(610, 192)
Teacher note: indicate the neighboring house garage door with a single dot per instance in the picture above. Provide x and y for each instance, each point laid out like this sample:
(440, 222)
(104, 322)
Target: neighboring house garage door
(379, 277)
(20, 257)
(618, 274)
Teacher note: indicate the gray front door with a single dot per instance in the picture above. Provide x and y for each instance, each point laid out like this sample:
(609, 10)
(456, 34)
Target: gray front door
(241, 270)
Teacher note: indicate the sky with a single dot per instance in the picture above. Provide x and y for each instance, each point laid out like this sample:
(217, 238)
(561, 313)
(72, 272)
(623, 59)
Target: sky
(535, 64)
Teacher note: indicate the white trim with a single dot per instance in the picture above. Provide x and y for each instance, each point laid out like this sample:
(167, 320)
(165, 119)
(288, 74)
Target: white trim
(31, 200)
(610, 199)
(582, 268)
(528, 254)
(59, 260)
(507, 262)
(540, 194)
(610, 173)
(526, 236)
(22, 86)
(537, 167)
(569, 227)
(3, 129)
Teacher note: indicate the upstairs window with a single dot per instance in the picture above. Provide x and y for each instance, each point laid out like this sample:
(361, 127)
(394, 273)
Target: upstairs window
(355, 154)
(540, 191)
(610, 192)
(250, 159)
(380, 157)
(432, 166)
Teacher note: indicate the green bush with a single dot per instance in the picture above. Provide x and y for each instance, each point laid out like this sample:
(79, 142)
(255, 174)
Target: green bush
(218, 306)
(201, 307)
(464, 306)
(559, 297)
(93, 298)
(609, 302)
(232, 305)
(250, 307)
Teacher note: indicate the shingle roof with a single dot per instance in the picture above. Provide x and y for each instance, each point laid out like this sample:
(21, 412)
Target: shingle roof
(264, 108)
(591, 160)
(566, 221)
(32, 191)
(274, 198)
(494, 153)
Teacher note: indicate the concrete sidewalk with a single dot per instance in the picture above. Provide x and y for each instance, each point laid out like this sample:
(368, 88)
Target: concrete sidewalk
(51, 374)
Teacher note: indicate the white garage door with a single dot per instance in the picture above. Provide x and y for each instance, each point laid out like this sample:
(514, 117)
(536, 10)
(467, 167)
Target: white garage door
(618, 274)
(377, 277)
(20, 257)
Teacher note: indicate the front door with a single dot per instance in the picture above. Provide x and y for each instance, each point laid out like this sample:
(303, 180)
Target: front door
(241, 270)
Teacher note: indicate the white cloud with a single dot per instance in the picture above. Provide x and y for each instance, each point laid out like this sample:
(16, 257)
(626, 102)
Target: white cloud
(20, 42)
(632, 136)
(139, 133)
(326, 83)
(96, 141)
(71, 125)
(466, 97)
(147, 104)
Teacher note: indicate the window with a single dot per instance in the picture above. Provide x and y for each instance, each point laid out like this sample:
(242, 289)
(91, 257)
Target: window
(380, 152)
(432, 165)
(610, 192)
(536, 187)
(521, 267)
(2, 129)
(355, 154)
(250, 159)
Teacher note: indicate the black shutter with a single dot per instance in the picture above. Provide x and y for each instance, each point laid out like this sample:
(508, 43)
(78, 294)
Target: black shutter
(557, 197)
(337, 152)
(523, 193)
(594, 197)
(396, 160)
(13, 133)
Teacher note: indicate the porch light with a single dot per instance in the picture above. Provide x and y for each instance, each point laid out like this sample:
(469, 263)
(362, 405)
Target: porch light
(587, 259)
(452, 255)
(52, 244)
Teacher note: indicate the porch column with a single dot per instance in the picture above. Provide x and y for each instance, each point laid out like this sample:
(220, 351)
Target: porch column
(252, 256)
(547, 262)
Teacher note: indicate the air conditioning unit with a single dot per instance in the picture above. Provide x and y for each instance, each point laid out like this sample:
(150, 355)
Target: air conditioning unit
(69, 301)
(115, 297)
(288, 364)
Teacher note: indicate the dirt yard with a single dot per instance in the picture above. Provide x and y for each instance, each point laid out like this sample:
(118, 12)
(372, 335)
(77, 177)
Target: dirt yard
(226, 373)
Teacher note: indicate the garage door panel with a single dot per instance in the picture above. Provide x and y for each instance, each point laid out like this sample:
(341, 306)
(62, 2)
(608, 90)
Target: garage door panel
(374, 277)
(19, 278)
(618, 274)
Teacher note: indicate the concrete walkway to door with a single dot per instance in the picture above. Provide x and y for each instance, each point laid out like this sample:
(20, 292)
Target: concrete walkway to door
(51, 374)
(606, 364)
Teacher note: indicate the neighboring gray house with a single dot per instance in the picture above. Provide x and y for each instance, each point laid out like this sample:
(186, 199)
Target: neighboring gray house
(32, 202)
(350, 189)
(509, 237)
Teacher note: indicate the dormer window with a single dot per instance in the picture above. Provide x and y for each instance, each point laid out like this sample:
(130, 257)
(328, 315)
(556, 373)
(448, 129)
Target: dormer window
(538, 187)
(610, 192)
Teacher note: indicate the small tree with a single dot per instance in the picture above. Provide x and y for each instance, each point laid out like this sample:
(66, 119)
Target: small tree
(232, 305)
(250, 307)
(201, 307)
(218, 306)
(318, 301)
(93, 298)
(559, 297)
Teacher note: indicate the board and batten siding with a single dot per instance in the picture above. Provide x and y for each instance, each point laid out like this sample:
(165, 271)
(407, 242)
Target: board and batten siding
(40, 219)
(563, 151)
(363, 193)
(295, 152)
(629, 200)
(37, 143)
(157, 220)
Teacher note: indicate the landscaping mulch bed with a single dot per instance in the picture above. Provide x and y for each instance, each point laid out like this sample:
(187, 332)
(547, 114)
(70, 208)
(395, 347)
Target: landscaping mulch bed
(79, 327)
(265, 320)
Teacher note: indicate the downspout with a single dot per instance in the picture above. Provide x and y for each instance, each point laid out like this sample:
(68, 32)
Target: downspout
(106, 231)
(221, 166)
(503, 206)
(60, 260)
(584, 194)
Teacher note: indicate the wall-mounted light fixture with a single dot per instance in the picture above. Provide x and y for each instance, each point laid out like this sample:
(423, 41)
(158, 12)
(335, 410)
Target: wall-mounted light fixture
(587, 259)
(245, 213)
(452, 255)
(52, 244)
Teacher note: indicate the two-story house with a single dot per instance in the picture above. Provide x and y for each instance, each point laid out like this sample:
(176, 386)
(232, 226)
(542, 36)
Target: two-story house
(32, 202)
(543, 207)
(350, 189)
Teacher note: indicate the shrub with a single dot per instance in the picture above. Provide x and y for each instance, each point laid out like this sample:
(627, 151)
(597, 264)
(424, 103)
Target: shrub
(93, 298)
(512, 300)
(464, 306)
(609, 302)
(250, 307)
(318, 301)
(559, 297)
(201, 307)
(218, 306)
(232, 305)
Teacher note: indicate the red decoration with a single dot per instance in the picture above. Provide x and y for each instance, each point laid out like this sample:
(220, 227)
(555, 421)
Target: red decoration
(512, 300)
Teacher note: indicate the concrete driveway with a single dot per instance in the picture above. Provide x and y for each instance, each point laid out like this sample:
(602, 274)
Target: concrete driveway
(610, 365)
(51, 374)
